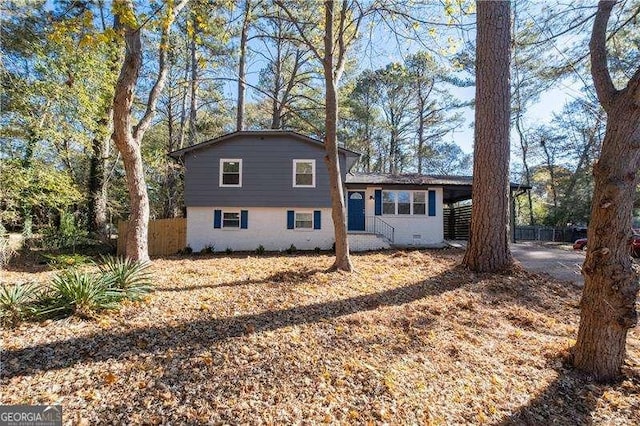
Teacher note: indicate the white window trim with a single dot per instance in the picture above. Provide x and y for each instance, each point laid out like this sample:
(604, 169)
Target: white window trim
(395, 203)
(426, 203)
(230, 228)
(313, 173)
(230, 160)
(411, 199)
(295, 221)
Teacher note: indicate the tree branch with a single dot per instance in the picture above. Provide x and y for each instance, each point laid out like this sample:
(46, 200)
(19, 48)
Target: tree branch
(163, 69)
(301, 31)
(605, 89)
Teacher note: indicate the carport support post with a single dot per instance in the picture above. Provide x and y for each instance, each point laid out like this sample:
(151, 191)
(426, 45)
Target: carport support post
(452, 222)
(513, 216)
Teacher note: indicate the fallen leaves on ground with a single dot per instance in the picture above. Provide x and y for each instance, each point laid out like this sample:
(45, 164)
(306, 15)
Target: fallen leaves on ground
(410, 338)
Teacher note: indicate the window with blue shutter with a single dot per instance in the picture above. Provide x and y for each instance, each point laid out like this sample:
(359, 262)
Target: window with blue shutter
(432, 203)
(244, 219)
(217, 219)
(378, 198)
(317, 219)
(291, 219)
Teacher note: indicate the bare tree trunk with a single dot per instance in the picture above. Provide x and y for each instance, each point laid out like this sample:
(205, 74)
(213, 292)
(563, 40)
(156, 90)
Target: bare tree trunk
(527, 172)
(277, 78)
(242, 84)
(128, 138)
(338, 211)
(183, 102)
(97, 187)
(193, 105)
(488, 248)
(170, 207)
(552, 176)
(420, 129)
(100, 147)
(607, 309)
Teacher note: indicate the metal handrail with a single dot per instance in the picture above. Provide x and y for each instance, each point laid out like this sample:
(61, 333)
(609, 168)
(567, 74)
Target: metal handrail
(378, 226)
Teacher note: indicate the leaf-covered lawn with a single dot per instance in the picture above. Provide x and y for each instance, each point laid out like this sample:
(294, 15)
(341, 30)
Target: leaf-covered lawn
(410, 338)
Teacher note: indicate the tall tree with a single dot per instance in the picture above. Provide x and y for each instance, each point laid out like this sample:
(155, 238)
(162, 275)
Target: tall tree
(346, 19)
(488, 247)
(128, 137)
(607, 309)
(242, 61)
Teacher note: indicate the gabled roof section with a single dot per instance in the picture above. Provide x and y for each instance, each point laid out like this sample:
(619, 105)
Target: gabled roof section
(180, 153)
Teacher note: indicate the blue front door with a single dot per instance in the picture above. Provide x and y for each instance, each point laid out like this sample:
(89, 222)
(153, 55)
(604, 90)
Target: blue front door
(356, 211)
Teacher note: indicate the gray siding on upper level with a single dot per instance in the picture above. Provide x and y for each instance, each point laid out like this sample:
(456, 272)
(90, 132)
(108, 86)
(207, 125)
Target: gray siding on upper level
(267, 173)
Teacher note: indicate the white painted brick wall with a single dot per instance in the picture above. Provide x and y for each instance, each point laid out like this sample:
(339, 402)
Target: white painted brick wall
(267, 226)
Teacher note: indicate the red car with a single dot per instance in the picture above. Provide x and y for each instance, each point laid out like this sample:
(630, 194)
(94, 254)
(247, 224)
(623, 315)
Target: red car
(634, 243)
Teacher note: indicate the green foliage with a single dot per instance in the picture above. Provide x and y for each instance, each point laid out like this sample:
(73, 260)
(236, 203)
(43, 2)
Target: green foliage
(79, 293)
(6, 251)
(66, 261)
(16, 302)
(131, 278)
(68, 234)
(317, 250)
(260, 250)
(41, 190)
(292, 249)
(228, 250)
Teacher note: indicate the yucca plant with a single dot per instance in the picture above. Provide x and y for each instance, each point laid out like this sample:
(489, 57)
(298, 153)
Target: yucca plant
(16, 302)
(130, 277)
(78, 293)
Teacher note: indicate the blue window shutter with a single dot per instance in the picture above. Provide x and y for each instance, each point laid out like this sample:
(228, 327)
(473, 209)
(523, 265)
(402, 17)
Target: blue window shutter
(432, 203)
(378, 196)
(244, 219)
(217, 218)
(291, 218)
(317, 219)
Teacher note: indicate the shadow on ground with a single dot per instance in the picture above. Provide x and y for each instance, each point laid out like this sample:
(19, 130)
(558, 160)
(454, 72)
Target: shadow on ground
(196, 335)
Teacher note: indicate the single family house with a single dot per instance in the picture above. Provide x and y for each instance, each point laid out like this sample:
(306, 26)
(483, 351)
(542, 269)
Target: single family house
(271, 188)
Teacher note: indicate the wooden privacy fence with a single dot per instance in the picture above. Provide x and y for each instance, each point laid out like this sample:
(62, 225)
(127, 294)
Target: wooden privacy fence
(166, 236)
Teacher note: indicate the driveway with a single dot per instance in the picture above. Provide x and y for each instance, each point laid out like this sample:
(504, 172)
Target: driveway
(561, 264)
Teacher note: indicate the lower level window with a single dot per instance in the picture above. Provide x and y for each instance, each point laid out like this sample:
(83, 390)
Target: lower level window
(304, 220)
(231, 220)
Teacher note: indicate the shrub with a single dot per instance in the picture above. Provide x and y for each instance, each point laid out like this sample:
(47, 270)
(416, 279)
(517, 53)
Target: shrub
(317, 250)
(210, 248)
(291, 249)
(68, 234)
(228, 250)
(131, 278)
(16, 302)
(186, 250)
(76, 293)
(64, 261)
(6, 251)
(260, 250)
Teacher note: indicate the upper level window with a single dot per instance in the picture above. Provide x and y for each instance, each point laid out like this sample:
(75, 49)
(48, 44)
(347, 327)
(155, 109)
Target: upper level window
(304, 173)
(230, 172)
